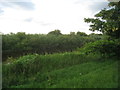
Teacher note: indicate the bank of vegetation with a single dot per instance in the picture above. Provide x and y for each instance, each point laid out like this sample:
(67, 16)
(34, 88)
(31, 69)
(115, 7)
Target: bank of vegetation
(56, 60)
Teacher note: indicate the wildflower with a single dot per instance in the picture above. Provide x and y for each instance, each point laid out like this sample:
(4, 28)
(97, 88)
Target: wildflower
(80, 73)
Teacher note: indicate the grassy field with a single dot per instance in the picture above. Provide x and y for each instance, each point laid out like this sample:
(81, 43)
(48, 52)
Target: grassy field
(65, 70)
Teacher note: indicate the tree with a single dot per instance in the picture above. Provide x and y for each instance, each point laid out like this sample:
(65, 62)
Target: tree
(55, 32)
(107, 21)
(81, 33)
(72, 33)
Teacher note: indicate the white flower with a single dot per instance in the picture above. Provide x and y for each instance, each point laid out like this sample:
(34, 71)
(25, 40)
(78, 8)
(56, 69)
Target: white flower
(80, 73)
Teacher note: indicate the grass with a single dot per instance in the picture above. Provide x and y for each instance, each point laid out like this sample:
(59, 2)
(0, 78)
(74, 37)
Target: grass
(65, 70)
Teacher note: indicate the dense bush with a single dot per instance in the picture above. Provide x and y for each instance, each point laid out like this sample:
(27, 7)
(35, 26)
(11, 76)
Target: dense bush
(107, 48)
(21, 44)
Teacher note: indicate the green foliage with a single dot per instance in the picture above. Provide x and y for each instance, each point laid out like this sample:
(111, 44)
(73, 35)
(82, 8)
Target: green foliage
(92, 78)
(19, 44)
(108, 48)
(67, 70)
(29, 65)
(81, 34)
(96, 36)
(55, 32)
(107, 21)
(72, 33)
(79, 69)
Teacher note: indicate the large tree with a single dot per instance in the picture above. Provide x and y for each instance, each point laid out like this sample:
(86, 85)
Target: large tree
(55, 32)
(107, 21)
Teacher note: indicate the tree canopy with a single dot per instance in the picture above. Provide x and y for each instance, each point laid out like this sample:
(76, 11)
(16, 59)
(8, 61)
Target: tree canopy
(21, 44)
(107, 21)
(55, 32)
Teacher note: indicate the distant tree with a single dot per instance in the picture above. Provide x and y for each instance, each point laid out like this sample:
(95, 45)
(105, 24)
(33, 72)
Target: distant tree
(55, 32)
(81, 33)
(21, 35)
(96, 36)
(107, 21)
(72, 33)
(21, 44)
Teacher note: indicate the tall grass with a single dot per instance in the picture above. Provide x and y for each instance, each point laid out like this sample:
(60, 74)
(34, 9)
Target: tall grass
(57, 70)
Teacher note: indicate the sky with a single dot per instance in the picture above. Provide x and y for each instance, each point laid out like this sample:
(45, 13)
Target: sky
(43, 16)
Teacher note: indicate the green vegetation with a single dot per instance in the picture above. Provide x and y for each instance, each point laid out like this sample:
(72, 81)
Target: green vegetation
(107, 21)
(106, 48)
(22, 44)
(60, 70)
(55, 60)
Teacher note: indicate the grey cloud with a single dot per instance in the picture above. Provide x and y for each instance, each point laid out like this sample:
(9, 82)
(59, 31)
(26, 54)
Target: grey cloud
(97, 6)
(42, 23)
(25, 5)
(4, 4)
(1, 11)
(87, 1)
(28, 19)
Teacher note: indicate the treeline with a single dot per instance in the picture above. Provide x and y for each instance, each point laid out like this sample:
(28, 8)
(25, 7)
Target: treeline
(14, 45)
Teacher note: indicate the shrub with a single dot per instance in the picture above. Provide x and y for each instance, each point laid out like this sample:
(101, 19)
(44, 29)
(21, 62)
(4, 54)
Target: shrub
(107, 48)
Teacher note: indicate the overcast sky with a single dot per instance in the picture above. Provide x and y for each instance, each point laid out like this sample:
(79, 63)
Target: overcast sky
(43, 16)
